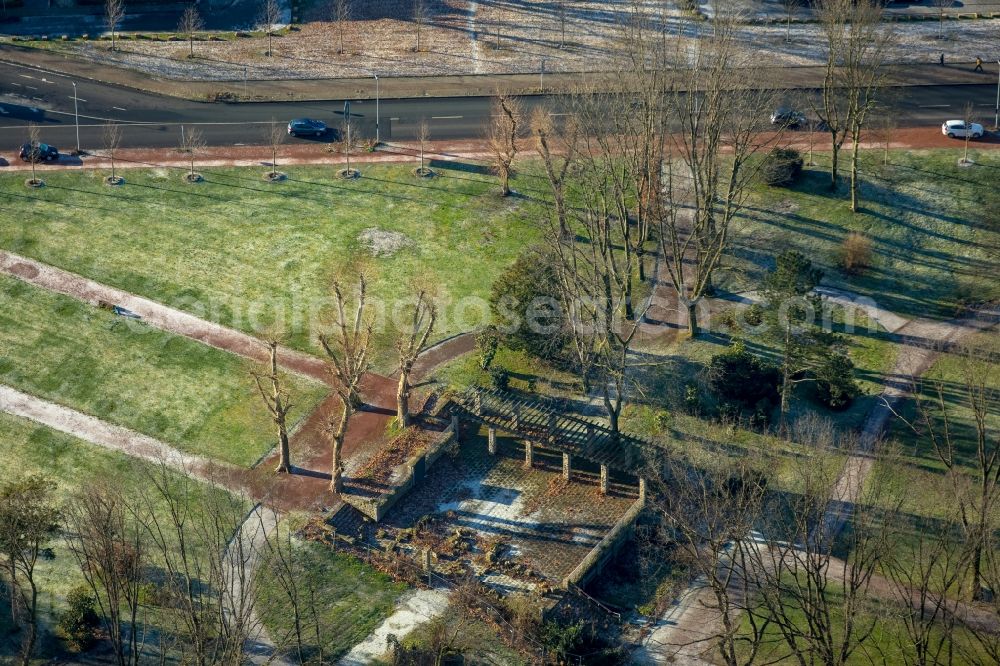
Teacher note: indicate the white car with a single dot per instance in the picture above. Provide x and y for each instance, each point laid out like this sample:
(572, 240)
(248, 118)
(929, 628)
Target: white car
(957, 128)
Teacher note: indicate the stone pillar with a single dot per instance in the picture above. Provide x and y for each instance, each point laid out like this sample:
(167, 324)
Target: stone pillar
(642, 490)
(566, 466)
(604, 479)
(478, 404)
(492, 439)
(529, 454)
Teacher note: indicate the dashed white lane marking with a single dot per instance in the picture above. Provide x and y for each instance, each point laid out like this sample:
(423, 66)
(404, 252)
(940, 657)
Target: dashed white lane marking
(118, 108)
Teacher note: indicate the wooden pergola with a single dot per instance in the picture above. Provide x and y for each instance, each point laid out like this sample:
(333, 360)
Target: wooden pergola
(540, 423)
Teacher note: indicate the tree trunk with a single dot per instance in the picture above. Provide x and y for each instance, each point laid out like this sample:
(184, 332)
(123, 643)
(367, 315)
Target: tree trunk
(336, 467)
(786, 376)
(692, 311)
(834, 161)
(191, 45)
(284, 466)
(403, 398)
(612, 410)
(29, 643)
(855, 156)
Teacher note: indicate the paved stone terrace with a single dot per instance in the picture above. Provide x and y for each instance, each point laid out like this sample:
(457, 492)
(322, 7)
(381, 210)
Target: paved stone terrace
(546, 526)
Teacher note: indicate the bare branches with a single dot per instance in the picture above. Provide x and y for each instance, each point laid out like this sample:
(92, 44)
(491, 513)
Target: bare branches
(420, 16)
(275, 136)
(190, 23)
(112, 138)
(270, 16)
(114, 13)
(277, 401)
(340, 11)
(502, 132)
(409, 347)
(192, 143)
(347, 349)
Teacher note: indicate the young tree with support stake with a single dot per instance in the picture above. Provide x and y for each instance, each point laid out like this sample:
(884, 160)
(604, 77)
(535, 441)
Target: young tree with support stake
(340, 11)
(278, 403)
(190, 23)
(409, 348)
(275, 136)
(112, 138)
(270, 16)
(192, 144)
(347, 348)
(114, 13)
(34, 151)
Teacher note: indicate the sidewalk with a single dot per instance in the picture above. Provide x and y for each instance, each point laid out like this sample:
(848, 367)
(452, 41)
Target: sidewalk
(436, 153)
(470, 85)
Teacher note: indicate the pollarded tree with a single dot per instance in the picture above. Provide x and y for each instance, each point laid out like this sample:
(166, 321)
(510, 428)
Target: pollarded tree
(278, 403)
(347, 348)
(29, 519)
(409, 346)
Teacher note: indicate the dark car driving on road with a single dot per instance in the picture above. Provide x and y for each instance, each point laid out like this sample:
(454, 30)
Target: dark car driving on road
(306, 127)
(787, 117)
(39, 152)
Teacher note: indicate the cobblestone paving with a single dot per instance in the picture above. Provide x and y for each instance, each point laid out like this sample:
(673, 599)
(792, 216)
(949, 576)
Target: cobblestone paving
(548, 526)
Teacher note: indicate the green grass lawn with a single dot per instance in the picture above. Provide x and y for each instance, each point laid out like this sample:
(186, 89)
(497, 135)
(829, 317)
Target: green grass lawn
(74, 465)
(352, 599)
(198, 398)
(254, 255)
(933, 228)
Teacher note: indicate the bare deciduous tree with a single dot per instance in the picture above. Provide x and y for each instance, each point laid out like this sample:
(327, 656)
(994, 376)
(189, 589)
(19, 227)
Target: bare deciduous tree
(557, 150)
(419, 19)
(208, 550)
(275, 136)
(710, 515)
(424, 136)
(190, 23)
(270, 16)
(29, 519)
(975, 474)
(278, 402)
(108, 530)
(818, 602)
(502, 132)
(968, 117)
(856, 43)
(942, 7)
(340, 11)
(112, 139)
(192, 143)
(114, 13)
(791, 7)
(409, 348)
(713, 161)
(347, 348)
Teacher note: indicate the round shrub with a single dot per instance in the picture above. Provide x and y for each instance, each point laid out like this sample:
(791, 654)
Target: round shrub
(78, 622)
(499, 378)
(739, 377)
(782, 168)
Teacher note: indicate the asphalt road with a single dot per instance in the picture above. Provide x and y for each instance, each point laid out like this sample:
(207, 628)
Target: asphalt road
(28, 95)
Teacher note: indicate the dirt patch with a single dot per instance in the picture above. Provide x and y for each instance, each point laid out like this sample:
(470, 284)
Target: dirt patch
(382, 243)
